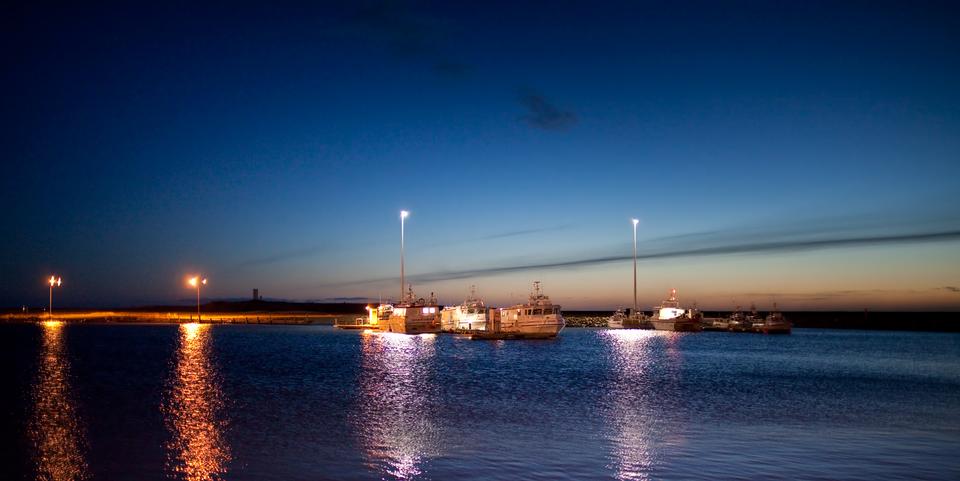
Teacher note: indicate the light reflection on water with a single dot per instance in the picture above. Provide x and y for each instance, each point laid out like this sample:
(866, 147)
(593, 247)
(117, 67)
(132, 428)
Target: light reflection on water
(637, 428)
(55, 429)
(395, 425)
(194, 410)
(594, 404)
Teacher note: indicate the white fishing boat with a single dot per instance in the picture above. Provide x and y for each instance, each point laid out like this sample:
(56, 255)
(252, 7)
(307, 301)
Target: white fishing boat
(411, 316)
(471, 315)
(668, 316)
(775, 323)
(538, 318)
(754, 320)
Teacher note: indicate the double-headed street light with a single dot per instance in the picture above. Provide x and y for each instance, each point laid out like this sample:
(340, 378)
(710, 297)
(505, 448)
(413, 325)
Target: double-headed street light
(197, 281)
(55, 281)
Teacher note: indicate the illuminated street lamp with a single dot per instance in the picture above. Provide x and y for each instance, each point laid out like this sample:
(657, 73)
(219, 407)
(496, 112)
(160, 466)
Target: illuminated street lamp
(635, 222)
(55, 281)
(403, 216)
(197, 281)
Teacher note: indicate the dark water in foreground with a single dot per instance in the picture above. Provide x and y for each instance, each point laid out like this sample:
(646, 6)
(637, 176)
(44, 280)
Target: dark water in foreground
(308, 402)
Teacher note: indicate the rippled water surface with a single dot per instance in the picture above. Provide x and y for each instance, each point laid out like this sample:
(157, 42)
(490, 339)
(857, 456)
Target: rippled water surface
(204, 402)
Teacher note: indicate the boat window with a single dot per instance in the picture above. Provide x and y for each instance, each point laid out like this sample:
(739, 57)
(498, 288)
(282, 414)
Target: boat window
(548, 310)
(537, 312)
(529, 311)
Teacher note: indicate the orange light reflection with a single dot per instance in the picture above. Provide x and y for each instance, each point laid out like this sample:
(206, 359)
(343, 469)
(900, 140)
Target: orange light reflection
(55, 429)
(194, 410)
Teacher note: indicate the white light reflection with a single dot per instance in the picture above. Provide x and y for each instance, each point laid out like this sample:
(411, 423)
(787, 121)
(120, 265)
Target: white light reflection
(55, 428)
(634, 423)
(194, 410)
(395, 423)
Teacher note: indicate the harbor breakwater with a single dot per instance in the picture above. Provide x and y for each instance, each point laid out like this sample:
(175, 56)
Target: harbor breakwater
(133, 317)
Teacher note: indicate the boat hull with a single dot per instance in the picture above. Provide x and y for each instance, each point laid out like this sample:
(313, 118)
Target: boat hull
(454, 321)
(417, 324)
(531, 331)
(776, 329)
(492, 336)
(628, 322)
(676, 325)
(405, 327)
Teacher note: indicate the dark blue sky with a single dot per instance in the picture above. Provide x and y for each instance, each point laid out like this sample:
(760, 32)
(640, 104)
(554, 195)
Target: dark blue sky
(801, 151)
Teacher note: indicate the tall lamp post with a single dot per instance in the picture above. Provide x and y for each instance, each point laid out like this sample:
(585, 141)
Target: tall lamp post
(403, 217)
(197, 281)
(55, 281)
(635, 222)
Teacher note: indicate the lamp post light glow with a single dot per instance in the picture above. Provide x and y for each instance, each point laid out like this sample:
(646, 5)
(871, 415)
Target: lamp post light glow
(635, 222)
(197, 281)
(403, 216)
(54, 281)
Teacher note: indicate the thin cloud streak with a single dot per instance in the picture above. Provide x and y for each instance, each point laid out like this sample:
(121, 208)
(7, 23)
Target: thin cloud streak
(523, 232)
(780, 246)
(503, 235)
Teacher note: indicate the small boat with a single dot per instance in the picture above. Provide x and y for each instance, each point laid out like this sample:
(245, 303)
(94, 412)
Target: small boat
(715, 324)
(618, 319)
(538, 318)
(737, 322)
(775, 323)
(471, 315)
(754, 321)
(668, 316)
(412, 316)
(624, 319)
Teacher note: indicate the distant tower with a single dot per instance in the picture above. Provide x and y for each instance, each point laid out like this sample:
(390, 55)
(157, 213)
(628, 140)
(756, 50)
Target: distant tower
(256, 294)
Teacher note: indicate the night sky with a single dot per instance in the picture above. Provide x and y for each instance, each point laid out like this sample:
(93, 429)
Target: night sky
(802, 153)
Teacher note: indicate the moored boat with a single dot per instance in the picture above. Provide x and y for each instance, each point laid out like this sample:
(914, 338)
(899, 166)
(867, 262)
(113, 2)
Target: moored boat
(625, 319)
(537, 318)
(737, 322)
(471, 315)
(668, 316)
(775, 323)
(754, 320)
(412, 316)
